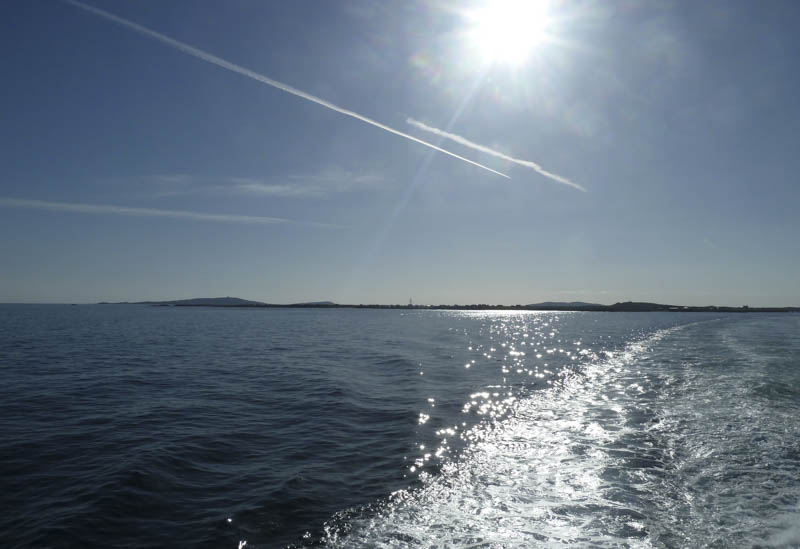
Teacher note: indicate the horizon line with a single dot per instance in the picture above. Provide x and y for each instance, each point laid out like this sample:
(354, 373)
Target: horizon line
(581, 306)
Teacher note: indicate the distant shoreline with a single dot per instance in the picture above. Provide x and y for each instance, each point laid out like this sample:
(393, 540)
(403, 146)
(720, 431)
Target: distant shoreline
(628, 306)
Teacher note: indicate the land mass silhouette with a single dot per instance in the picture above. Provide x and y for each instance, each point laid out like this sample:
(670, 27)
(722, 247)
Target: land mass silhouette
(627, 306)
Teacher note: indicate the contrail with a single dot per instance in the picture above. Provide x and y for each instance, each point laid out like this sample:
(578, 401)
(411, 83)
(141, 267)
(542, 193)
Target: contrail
(498, 154)
(227, 65)
(78, 207)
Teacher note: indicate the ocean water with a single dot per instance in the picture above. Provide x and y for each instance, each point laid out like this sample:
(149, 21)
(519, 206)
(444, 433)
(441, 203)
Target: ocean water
(136, 426)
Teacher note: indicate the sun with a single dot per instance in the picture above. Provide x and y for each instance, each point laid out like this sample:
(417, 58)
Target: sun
(507, 31)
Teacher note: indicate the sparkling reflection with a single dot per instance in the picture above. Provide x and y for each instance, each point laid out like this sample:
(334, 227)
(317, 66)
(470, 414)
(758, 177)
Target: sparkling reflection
(548, 458)
(582, 443)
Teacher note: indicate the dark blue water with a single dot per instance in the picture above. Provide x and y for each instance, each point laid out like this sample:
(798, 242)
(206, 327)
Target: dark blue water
(135, 426)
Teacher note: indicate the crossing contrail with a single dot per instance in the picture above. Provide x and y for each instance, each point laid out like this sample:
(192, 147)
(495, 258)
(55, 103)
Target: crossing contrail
(482, 148)
(227, 65)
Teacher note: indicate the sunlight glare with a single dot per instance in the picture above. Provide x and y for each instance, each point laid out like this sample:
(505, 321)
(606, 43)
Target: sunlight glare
(507, 30)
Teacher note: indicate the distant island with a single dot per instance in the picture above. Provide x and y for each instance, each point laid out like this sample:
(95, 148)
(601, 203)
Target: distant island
(627, 306)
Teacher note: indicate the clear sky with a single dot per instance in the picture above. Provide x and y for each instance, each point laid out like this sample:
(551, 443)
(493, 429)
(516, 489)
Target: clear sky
(267, 150)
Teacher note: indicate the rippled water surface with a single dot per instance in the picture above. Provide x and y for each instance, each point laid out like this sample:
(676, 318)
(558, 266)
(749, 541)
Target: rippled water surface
(135, 426)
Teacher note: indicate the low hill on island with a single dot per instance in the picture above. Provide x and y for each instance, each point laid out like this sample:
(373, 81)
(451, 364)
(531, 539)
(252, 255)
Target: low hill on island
(207, 302)
(222, 302)
(563, 304)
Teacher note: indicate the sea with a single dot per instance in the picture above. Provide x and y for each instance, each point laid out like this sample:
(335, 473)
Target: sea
(132, 426)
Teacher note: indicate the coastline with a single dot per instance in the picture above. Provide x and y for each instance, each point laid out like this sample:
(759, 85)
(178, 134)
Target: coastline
(628, 306)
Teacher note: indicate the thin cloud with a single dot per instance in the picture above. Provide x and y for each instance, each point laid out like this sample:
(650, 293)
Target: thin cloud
(306, 185)
(467, 143)
(77, 207)
(268, 189)
(299, 185)
(340, 179)
(227, 65)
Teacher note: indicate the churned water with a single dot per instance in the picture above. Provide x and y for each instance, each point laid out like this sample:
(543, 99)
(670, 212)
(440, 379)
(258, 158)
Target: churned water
(135, 426)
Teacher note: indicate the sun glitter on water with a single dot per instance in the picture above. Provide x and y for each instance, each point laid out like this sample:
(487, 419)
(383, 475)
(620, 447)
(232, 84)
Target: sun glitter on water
(507, 31)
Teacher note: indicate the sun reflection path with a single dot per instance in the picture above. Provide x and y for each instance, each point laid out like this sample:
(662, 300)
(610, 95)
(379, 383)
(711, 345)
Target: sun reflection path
(552, 474)
(510, 344)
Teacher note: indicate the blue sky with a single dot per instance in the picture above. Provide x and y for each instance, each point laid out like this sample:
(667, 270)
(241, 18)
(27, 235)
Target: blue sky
(132, 170)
